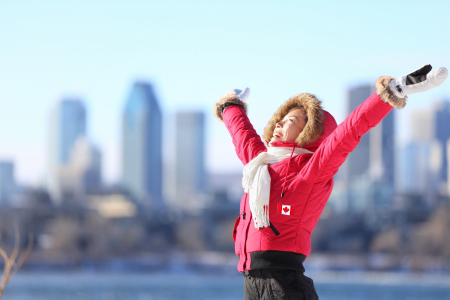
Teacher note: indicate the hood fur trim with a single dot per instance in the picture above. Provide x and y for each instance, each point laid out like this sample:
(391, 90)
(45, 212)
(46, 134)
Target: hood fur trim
(313, 128)
(387, 95)
(228, 99)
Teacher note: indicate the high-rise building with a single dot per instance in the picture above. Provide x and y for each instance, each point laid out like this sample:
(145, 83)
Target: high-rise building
(415, 168)
(382, 165)
(142, 146)
(358, 161)
(82, 174)
(422, 125)
(67, 124)
(7, 183)
(382, 151)
(442, 134)
(432, 127)
(190, 175)
(372, 161)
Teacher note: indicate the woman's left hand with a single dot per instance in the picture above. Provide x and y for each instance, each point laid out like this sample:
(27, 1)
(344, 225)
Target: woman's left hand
(420, 80)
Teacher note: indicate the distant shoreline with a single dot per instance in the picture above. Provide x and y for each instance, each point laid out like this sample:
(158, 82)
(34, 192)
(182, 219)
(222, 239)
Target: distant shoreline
(210, 262)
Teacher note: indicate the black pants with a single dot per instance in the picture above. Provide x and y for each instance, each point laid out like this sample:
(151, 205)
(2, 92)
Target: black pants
(277, 284)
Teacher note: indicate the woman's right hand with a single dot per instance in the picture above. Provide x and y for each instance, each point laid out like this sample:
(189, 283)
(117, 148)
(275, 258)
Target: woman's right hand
(242, 94)
(231, 97)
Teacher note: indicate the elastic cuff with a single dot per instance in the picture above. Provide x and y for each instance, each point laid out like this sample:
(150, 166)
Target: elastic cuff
(225, 102)
(387, 95)
(228, 104)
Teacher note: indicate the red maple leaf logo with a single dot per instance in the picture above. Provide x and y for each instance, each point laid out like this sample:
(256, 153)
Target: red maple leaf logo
(285, 209)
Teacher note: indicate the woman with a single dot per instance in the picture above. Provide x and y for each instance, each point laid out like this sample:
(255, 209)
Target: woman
(288, 178)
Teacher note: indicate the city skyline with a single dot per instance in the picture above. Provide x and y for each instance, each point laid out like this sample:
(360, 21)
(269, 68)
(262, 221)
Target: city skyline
(169, 129)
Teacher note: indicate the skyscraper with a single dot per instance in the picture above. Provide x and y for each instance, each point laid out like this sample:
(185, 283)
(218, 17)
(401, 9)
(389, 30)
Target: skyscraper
(190, 176)
(142, 145)
(67, 124)
(432, 127)
(415, 168)
(7, 183)
(382, 150)
(82, 174)
(372, 161)
(357, 162)
(441, 120)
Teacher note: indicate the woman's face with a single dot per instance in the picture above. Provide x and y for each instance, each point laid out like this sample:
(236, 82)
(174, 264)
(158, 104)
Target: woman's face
(288, 129)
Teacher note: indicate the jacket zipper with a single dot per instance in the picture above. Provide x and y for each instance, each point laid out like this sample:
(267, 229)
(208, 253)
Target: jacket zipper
(286, 173)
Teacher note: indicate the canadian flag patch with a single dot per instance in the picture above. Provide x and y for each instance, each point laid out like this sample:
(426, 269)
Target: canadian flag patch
(285, 209)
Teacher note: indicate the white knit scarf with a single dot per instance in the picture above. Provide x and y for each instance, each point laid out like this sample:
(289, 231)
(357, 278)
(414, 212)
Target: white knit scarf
(256, 181)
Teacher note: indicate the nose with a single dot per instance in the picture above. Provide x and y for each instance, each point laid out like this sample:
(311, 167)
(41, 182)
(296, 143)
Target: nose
(279, 124)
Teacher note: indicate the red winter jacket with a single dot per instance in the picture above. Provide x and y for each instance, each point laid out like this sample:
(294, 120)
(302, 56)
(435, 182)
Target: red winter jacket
(306, 181)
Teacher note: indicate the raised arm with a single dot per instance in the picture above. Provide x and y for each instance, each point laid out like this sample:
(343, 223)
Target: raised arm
(334, 150)
(391, 92)
(232, 110)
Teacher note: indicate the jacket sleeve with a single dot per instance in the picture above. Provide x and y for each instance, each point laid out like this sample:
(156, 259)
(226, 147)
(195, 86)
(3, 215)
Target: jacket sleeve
(333, 151)
(247, 142)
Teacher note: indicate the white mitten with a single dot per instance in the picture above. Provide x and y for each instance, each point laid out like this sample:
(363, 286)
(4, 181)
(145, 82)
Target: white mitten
(421, 80)
(242, 95)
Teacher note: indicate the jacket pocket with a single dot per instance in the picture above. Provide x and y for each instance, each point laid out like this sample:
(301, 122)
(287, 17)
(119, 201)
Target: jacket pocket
(270, 231)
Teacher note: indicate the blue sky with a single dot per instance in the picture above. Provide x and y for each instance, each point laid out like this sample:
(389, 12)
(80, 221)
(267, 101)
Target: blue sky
(193, 51)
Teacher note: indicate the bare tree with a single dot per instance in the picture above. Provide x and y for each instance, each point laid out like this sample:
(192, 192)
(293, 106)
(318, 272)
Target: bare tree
(14, 262)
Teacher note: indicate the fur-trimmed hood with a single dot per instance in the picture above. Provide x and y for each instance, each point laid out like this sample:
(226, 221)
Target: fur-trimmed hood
(319, 126)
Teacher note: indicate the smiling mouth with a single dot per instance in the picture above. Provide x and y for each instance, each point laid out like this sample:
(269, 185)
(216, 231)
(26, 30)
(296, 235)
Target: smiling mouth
(278, 136)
